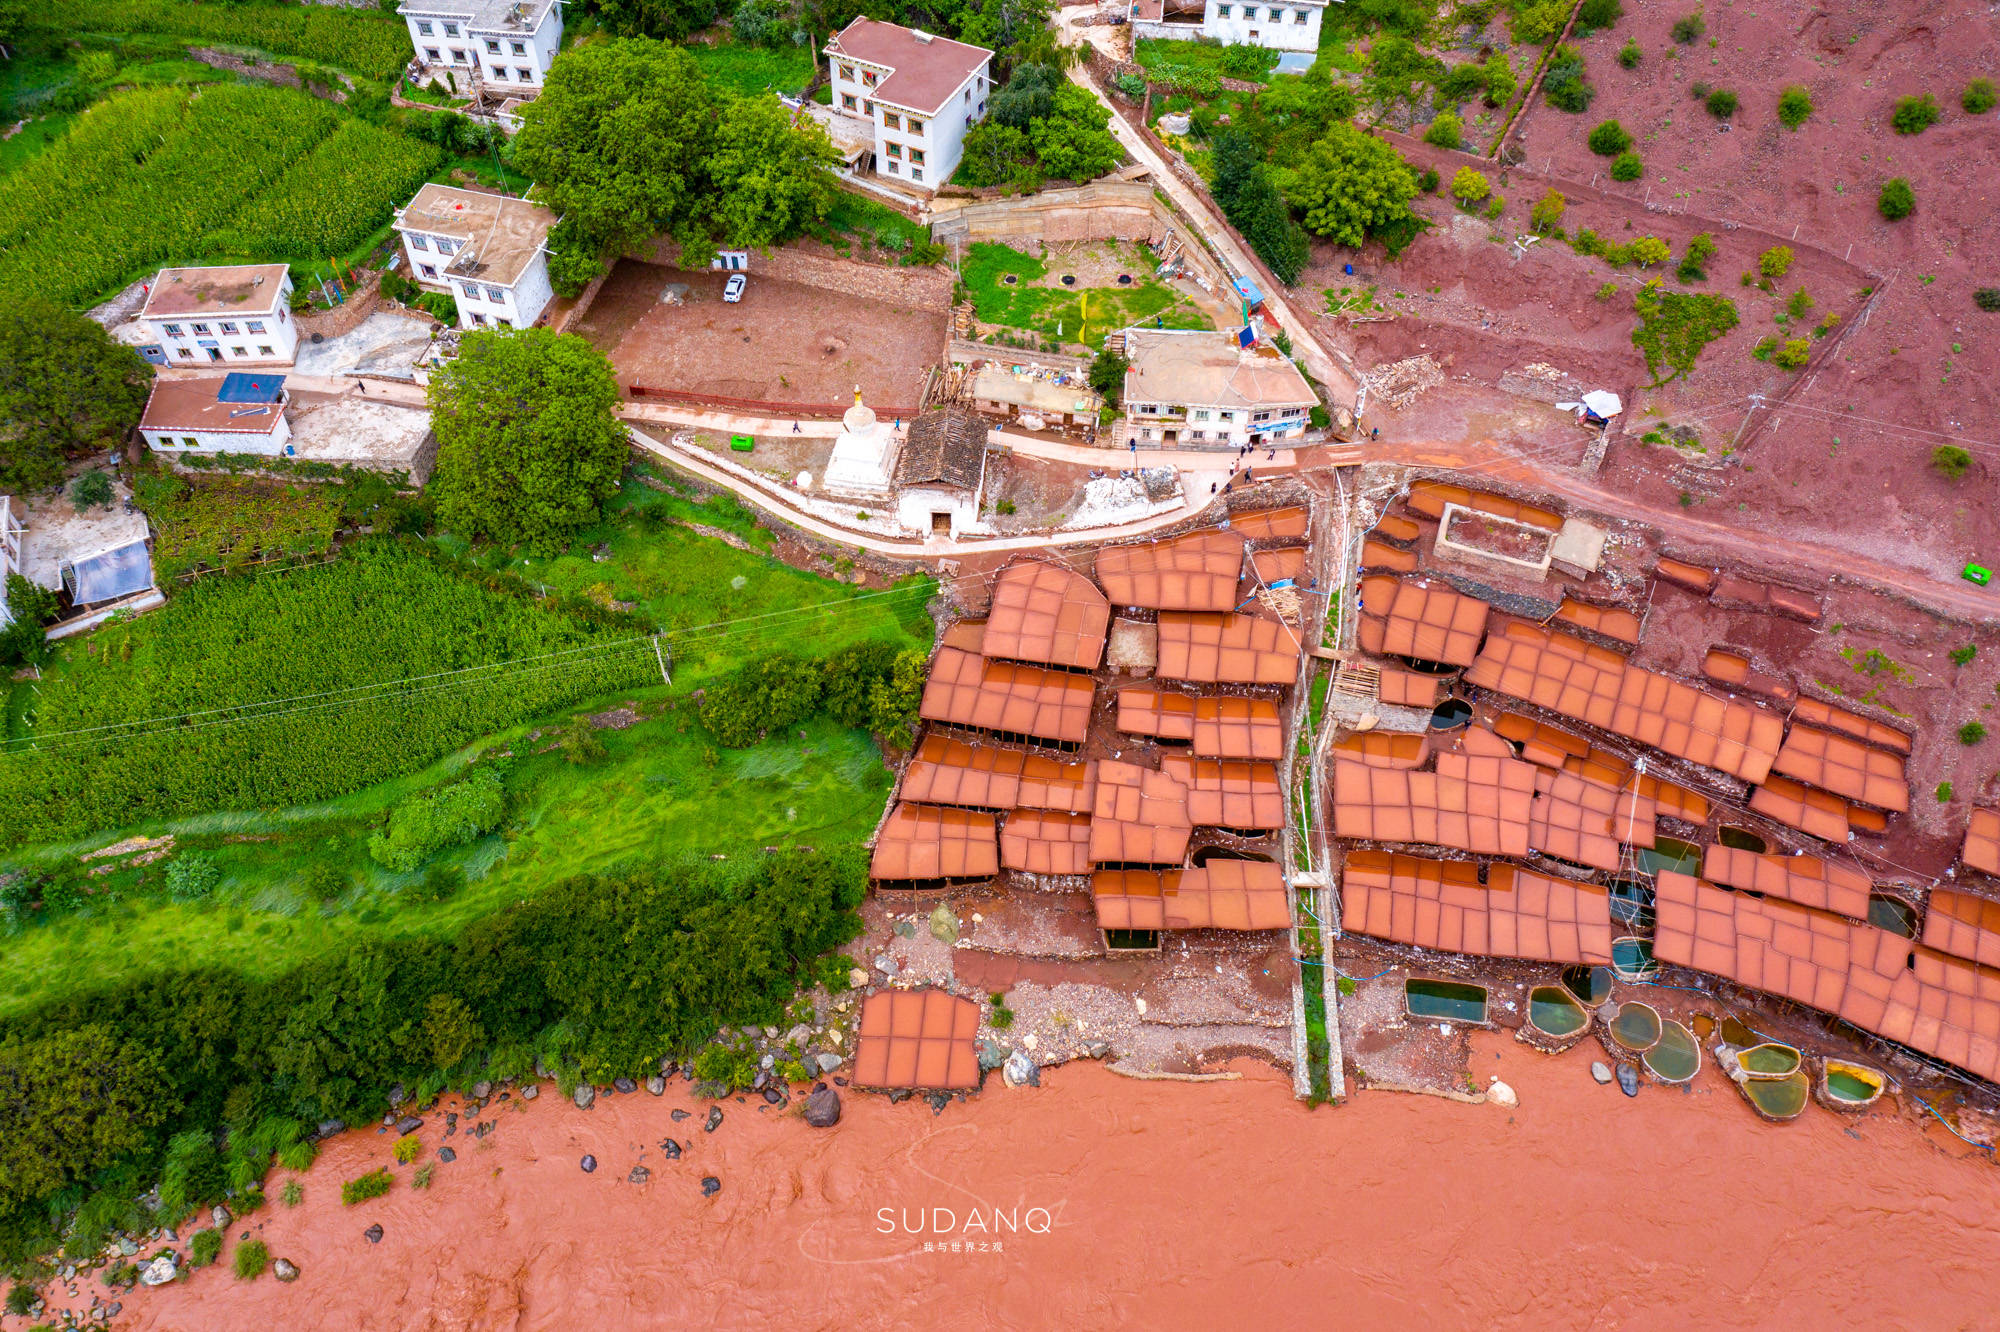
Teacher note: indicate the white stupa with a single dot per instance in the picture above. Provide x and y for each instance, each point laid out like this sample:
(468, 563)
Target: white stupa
(863, 456)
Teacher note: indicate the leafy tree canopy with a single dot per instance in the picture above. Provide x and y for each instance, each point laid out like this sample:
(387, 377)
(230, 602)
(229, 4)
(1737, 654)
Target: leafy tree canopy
(528, 437)
(70, 1101)
(774, 171)
(1072, 140)
(65, 387)
(617, 143)
(655, 18)
(1352, 186)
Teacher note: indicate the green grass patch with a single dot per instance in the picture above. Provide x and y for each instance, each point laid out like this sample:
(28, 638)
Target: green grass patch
(750, 71)
(226, 521)
(366, 41)
(1082, 315)
(1675, 326)
(855, 220)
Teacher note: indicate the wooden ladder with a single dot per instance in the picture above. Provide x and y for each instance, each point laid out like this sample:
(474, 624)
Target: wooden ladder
(1359, 681)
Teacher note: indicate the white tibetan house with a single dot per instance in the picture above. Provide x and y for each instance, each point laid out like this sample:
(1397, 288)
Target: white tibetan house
(940, 476)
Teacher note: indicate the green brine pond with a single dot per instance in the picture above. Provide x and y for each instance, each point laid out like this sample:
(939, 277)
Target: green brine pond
(1780, 1098)
(1677, 1057)
(1449, 1000)
(1553, 1010)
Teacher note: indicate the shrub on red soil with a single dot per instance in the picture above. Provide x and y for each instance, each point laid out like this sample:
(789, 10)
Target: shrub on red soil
(1793, 355)
(1674, 327)
(1701, 248)
(1609, 139)
(1950, 461)
(1629, 54)
(1794, 105)
(1978, 97)
(1775, 262)
(1563, 83)
(1987, 298)
(1547, 214)
(1689, 28)
(1914, 115)
(1627, 166)
(1971, 733)
(1721, 104)
(1444, 131)
(1597, 14)
(1898, 200)
(1470, 187)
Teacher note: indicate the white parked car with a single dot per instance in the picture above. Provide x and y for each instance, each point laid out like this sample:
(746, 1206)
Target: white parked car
(732, 290)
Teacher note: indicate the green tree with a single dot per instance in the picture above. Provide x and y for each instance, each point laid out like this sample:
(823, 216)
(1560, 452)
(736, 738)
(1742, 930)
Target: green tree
(618, 144)
(1072, 141)
(893, 707)
(1237, 160)
(1649, 250)
(1609, 139)
(529, 441)
(1028, 96)
(1444, 131)
(1266, 222)
(673, 19)
(1627, 166)
(1897, 200)
(1775, 262)
(72, 1102)
(1794, 105)
(65, 388)
(31, 606)
(996, 153)
(1107, 373)
(1470, 186)
(851, 675)
(1352, 186)
(1547, 214)
(1501, 81)
(451, 1031)
(774, 171)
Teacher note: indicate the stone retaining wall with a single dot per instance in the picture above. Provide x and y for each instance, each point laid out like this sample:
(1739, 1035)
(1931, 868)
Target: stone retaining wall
(1109, 210)
(919, 287)
(343, 318)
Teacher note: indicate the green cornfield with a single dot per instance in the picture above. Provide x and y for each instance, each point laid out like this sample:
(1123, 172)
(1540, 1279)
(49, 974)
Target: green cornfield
(231, 172)
(249, 693)
(361, 41)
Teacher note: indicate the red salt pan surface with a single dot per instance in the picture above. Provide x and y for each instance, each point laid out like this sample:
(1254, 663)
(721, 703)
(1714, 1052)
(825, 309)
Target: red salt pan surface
(1165, 1203)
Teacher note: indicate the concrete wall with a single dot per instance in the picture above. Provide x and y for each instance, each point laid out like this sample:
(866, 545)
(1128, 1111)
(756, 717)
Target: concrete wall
(169, 442)
(1252, 25)
(1109, 210)
(916, 287)
(342, 319)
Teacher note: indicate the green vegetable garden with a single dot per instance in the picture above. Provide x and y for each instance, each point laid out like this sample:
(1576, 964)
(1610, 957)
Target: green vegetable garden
(365, 43)
(160, 175)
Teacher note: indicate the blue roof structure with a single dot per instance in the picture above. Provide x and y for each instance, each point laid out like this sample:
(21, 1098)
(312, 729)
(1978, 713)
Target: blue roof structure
(242, 387)
(1249, 291)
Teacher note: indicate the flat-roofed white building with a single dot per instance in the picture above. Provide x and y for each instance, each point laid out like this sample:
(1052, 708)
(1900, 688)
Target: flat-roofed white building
(1291, 26)
(500, 46)
(11, 532)
(919, 92)
(240, 413)
(239, 314)
(1201, 389)
(490, 252)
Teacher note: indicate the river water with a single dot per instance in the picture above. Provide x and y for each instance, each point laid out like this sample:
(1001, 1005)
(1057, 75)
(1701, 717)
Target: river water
(1101, 1201)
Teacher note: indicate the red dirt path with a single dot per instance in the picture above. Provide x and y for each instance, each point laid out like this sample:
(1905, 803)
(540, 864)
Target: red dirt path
(1172, 1206)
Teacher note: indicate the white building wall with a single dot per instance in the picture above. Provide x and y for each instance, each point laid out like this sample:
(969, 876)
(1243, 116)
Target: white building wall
(532, 291)
(220, 441)
(914, 508)
(183, 337)
(1254, 25)
(517, 306)
(942, 141)
(538, 51)
(1211, 426)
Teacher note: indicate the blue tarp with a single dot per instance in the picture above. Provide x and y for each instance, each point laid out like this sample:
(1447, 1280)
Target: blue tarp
(107, 577)
(1248, 291)
(241, 387)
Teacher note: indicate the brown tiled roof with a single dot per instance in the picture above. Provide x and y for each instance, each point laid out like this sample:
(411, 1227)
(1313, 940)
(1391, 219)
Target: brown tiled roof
(965, 689)
(1382, 749)
(1807, 880)
(1408, 689)
(1781, 799)
(1964, 926)
(927, 69)
(1279, 563)
(1603, 766)
(1140, 816)
(1846, 767)
(1441, 904)
(943, 448)
(1733, 668)
(919, 1039)
(1227, 649)
(935, 842)
(1826, 716)
(197, 404)
(1398, 528)
(1229, 895)
(1430, 497)
(1941, 1005)
(1381, 555)
(1596, 685)
(1045, 613)
(1131, 899)
(1695, 577)
(1041, 842)
(949, 771)
(1550, 746)
(965, 635)
(1271, 524)
(1482, 743)
(1229, 793)
(1196, 572)
(1982, 841)
(1239, 728)
(1610, 621)
(1475, 804)
(1586, 822)
(1427, 621)
(1148, 710)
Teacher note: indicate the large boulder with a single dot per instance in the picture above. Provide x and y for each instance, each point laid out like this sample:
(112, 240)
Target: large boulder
(823, 1108)
(1020, 1070)
(585, 1095)
(161, 1270)
(285, 1270)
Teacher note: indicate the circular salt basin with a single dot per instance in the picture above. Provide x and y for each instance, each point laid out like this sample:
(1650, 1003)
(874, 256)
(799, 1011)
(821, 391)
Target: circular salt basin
(1591, 985)
(1636, 1027)
(1772, 1059)
(1851, 1086)
(1677, 1058)
(1778, 1098)
(1555, 1012)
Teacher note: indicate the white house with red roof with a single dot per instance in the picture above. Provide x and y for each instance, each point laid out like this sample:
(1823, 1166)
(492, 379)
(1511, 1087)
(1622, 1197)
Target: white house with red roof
(919, 92)
(239, 314)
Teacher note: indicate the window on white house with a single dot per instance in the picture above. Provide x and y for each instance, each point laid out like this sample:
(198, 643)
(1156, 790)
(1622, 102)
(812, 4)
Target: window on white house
(504, 323)
(229, 330)
(458, 57)
(520, 48)
(500, 73)
(418, 242)
(1198, 434)
(916, 127)
(492, 47)
(1299, 17)
(265, 351)
(895, 168)
(867, 78)
(471, 290)
(431, 54)
(201, 330)
(186, 354)
(239, 351)
(895, 150)
(1201, 415)
(479, 319)
(495, 295)
(1222, 11)
(1225, 416)
(173, 330)
(916, 157)
(451, 30)
(446, 246)
(916, 173)
(847, 72)
(424, 27)
(868, 109)
(526, 75)
(890, 120)
(429, 271)
(191, 441)
(1277, 15)
(847, 101)
(256, 326)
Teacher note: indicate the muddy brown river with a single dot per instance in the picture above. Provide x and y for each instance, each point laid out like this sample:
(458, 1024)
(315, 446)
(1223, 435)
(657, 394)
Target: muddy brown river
(1100, 1201)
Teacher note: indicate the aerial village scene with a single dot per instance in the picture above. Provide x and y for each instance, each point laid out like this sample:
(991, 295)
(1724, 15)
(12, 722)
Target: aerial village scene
(1102, 666)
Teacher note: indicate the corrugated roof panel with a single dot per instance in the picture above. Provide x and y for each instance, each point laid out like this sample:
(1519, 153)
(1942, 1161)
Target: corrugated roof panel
(1227, 793)
(1270, 524)
(1441, 904)
(920, 1039)
(1196, 572)
(1227, 649)
(966, 689)
(1422, 620)
(1044, 842)
(1046, 613)
(1239, 728)
(1845, 766)
(1807, 880)
(1982, 841)
(920, 842)
(1162, 713)
(1229, 895)
(1140, 817)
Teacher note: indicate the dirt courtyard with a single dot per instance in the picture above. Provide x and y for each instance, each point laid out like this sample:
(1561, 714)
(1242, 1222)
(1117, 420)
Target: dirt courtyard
(784, 342)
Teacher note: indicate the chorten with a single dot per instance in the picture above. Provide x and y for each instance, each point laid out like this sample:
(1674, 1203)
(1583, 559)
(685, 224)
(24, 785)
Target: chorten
(864, 455)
